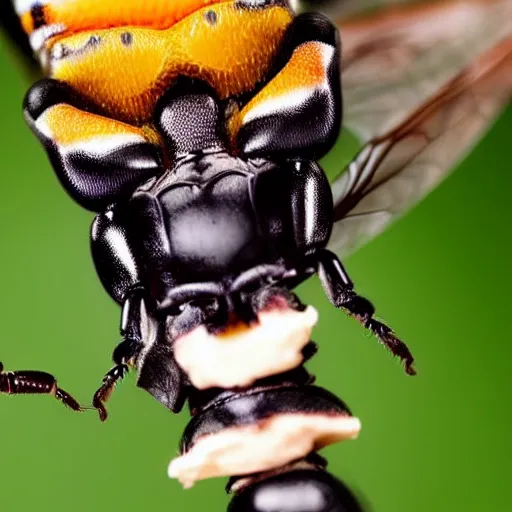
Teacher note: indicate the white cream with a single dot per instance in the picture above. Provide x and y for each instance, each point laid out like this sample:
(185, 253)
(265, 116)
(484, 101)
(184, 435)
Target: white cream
(262, 446)
(239, 357)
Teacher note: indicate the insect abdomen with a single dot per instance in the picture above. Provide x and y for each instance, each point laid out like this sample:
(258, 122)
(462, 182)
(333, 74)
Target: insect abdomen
(121, 59)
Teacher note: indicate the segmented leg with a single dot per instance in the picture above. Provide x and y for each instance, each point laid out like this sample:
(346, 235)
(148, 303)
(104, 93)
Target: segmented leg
(108, 384)
(29, 382)
(340, 291)
(125, 354)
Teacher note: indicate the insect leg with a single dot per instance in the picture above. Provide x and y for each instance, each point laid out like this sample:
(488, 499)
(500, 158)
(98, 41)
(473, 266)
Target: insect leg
(298, 112)
(121, 275)
(340, 292)
(125, 354)
(98, 160)
(29, 382)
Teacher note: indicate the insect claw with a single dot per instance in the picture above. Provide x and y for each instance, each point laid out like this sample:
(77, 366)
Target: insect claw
(103, 414)
(409, 369)
(107, 387)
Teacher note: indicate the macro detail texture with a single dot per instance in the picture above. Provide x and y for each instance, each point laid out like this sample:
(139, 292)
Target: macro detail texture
(193, 130)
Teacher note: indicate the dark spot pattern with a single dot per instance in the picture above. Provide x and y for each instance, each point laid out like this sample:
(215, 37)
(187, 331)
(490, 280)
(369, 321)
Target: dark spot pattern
(127, 38)
(93, 41)
(38, 16)
(211, 17)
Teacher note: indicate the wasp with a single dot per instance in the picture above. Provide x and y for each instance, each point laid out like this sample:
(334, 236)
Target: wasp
(193, 131)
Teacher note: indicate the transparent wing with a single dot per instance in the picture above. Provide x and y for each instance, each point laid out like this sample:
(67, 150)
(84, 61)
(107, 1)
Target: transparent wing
(342, 9)
(422, 83)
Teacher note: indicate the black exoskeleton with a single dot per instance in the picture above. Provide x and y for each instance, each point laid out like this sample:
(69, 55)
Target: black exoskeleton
(217, 228)
(208, 231)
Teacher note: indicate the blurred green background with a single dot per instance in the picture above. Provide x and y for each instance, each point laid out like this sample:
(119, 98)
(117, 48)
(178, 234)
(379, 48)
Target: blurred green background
(441, 277)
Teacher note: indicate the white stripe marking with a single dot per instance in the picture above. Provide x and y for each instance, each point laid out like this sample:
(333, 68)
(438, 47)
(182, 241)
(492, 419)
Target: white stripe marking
(41, 35)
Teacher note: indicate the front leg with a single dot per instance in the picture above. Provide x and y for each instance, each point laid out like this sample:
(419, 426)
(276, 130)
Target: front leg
(124, 278)
(126, 353)
(340, 292)
(30, 382)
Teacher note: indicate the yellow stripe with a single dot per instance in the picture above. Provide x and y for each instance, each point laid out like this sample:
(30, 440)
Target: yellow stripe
(125, 80)
(69, 125)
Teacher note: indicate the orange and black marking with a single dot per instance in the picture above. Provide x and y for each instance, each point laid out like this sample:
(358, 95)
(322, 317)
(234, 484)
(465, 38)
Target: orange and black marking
(306, 74)
(193, 128)
(110, 63)
(37, 16)
(150, 44)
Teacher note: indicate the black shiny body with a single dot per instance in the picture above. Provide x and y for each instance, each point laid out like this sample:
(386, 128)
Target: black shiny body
(210, 238)
(303, 490)
(207, 231)
(196, 231)
(238, 409)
